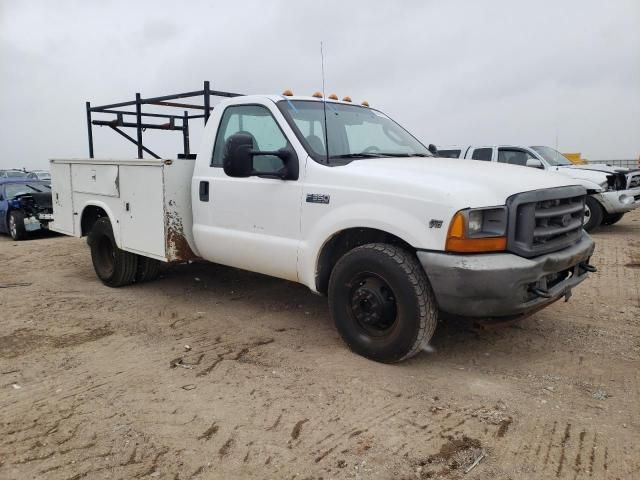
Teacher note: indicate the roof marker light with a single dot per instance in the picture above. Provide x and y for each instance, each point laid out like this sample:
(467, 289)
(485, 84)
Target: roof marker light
(287, 93)
(317, 95)
(333, 96)
(346, 99)
(365, 103)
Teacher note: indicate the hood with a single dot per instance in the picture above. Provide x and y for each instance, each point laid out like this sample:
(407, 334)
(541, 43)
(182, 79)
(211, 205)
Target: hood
(600, 167)
(36, 199)
(463, 183)
(592, 175)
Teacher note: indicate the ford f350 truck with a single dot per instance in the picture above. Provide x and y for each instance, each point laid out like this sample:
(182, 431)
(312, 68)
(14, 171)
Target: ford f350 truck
(392, 235)
(612, 192)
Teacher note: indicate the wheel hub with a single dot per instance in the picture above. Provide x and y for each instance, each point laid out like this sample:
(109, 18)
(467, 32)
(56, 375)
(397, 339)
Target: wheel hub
(373, 305)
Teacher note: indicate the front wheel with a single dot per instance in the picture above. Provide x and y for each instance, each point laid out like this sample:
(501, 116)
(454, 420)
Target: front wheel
(593, 214)
(382, 303)
(17, 229)
(113, 266)
(612, 218)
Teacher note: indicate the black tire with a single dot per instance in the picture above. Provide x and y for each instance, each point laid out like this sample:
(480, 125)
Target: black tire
(148, 269)
(113, 266)
(611, 218)
(593, 214)
(16, 225)
(382, 303)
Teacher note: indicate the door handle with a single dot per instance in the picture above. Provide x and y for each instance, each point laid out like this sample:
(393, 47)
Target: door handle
(204, 191)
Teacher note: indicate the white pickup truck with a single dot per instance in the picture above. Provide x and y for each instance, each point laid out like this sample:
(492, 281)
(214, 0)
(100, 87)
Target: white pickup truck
(390, 234)
(612, 191)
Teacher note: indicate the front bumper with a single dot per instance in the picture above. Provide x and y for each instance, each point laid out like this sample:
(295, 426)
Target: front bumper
(34, 223)
(501, 284)
(619, 201)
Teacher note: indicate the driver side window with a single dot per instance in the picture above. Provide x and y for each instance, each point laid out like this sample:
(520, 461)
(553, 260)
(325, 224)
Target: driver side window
(258, 122)
(514, 156)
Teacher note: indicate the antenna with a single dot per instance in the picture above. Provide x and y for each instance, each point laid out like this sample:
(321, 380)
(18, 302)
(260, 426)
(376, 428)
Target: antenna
(324, 106)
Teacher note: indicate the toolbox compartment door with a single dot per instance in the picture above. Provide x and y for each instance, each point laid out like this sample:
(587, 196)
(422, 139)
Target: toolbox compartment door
(95, 179)
(142, 210)
(62, 198)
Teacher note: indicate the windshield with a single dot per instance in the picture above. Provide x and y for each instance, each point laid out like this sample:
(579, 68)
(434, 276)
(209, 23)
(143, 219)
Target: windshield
(352, 131)
(14, 173)
(553, 157)
(14, 189)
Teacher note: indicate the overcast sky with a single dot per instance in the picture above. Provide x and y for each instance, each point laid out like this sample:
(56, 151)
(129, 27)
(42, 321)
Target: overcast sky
(455, 72)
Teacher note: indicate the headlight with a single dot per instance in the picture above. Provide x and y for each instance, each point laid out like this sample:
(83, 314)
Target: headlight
(475, 218)
(478, 230)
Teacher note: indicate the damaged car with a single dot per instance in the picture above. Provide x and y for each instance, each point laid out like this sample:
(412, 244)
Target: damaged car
(25, 206)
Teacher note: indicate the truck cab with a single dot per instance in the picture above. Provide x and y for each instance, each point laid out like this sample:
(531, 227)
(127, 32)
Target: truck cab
(612, 192)
(341, 198)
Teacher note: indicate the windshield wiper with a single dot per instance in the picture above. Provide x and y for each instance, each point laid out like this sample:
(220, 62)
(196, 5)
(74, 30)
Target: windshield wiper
(379, 155)
(398, 154)
(358, 155)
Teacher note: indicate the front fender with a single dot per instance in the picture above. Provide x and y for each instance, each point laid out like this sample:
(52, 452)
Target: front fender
(388, 219)
(592, 187)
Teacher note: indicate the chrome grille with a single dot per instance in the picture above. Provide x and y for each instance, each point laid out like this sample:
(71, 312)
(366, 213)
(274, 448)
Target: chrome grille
(543, 221)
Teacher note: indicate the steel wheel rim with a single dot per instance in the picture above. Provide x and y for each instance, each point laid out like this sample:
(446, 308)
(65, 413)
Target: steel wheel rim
(12, 227)
(587, 215)
(106, 256)
(372, 304)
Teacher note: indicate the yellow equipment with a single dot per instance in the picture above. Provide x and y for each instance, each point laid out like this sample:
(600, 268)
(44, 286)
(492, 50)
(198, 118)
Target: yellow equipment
(575, 158)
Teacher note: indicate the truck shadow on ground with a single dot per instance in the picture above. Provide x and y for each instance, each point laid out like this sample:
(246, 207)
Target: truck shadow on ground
(454, 338)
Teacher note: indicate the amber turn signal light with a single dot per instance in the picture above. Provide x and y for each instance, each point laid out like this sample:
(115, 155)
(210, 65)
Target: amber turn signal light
(458, 242)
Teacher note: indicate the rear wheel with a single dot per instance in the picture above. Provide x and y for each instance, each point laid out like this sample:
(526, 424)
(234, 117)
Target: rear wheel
(16, 225)
(113, 266)
(593, 214)
(382, 303)
(148, 269)
(612, 218)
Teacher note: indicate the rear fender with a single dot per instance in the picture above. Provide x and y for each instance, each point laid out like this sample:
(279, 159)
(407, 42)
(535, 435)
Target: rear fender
(115, 224)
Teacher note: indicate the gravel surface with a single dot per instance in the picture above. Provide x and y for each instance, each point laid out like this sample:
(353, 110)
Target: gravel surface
(211, 372)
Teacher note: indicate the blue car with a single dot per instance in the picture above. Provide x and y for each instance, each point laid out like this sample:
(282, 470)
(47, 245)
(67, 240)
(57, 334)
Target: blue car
(25, 206)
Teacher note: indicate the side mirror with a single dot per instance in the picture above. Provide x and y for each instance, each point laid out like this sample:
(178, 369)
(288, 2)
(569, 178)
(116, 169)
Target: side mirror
(433, 149)
(534, 163)
(238, 159)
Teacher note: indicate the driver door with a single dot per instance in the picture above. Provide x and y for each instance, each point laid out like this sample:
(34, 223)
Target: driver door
(251, 223)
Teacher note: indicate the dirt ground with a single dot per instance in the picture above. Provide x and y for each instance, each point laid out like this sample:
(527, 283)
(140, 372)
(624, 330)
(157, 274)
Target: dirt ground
(211, 372)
